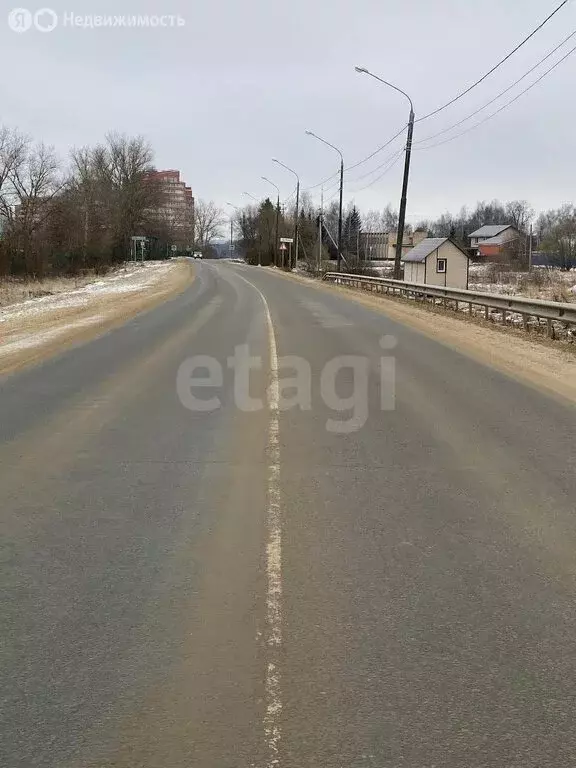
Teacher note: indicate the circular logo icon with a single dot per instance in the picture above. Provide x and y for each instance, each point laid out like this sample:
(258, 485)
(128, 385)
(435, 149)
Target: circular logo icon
(19, 20)
(45, 20)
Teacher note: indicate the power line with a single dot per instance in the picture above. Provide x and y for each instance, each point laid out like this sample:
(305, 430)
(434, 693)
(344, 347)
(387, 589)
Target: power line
(378, 178)
(361, 162)
(502, 93)
(331, 187)
(376, 151)
(332, 196)
(504, 106)
(321, 183)
(452, 101)
(289, 197)
(497, 66)
(378, 167)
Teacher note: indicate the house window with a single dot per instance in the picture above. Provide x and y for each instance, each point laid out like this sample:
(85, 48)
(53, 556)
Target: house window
(441, 265)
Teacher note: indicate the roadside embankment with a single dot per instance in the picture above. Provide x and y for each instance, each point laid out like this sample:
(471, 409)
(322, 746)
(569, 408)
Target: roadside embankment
(32, 330)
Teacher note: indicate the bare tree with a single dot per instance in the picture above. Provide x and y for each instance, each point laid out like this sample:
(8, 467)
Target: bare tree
(126, 164)
(208, 221)
(389, 219)
(13, 151)
(558, 232)
(35, 183)
(116, 189)
(372, 221)
(520, 213)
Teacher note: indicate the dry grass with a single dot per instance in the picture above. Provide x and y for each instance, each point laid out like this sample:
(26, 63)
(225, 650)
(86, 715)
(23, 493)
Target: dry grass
(60, 325)
(14, 290)
(540, 283)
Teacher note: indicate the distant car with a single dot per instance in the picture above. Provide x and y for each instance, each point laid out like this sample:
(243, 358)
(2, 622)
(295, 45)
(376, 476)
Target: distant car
(196, 255)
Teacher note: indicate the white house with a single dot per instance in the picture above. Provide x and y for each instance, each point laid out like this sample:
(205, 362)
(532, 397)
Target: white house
(437, 261)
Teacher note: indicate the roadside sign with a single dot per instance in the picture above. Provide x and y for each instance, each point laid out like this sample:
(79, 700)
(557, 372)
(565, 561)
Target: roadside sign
(286, 239)
(283, 247)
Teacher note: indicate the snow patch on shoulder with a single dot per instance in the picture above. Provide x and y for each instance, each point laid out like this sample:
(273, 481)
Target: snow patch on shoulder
(131, 279)
(22, 341)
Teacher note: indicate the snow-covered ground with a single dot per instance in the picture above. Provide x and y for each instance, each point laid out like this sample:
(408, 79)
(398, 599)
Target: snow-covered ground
(29, 328)
(130, 279)
(540, 283)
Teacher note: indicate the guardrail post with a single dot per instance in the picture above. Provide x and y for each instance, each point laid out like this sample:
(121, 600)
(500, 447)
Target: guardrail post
(548, 311)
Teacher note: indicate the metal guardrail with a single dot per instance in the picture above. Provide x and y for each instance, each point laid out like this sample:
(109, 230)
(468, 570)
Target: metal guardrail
(550, 311)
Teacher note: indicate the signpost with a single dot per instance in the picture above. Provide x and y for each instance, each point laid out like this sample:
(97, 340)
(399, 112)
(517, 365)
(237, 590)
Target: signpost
(283, 241)
(138, 243)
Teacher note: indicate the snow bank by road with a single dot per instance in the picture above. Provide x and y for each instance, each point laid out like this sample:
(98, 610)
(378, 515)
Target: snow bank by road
(129, 280)
(34, 329)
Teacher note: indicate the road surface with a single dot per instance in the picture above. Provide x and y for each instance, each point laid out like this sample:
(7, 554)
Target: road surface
(254, 586)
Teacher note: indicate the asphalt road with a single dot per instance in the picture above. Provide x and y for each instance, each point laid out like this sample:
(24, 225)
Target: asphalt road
(254, 586)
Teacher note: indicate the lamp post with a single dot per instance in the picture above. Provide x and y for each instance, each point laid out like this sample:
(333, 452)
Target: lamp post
(339, 257)
(236, 208)
(297, 222)
(276, 254)
(403, 199)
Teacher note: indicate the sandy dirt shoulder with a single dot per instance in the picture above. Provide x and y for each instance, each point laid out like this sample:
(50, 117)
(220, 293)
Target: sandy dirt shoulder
(33, 330)
(548, 366)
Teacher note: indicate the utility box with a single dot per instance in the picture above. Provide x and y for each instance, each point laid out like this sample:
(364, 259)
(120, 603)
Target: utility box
(437, 261)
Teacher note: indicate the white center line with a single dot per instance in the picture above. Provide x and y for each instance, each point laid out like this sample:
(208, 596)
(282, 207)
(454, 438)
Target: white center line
(272, 727)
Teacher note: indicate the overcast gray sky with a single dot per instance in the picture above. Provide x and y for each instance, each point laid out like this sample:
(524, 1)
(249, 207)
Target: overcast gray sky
(240, 83)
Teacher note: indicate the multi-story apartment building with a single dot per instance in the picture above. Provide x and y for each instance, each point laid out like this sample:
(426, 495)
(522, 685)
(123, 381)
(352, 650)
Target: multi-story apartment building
(176, 209)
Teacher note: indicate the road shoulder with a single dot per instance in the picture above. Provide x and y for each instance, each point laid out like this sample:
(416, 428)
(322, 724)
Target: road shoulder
(546, 366)
(33, 331)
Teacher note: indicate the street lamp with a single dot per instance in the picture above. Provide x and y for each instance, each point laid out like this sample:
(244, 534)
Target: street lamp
(276, 253)
(297, 223)
(236, 208)
(402, 215)
(252, 196)
(339, 257)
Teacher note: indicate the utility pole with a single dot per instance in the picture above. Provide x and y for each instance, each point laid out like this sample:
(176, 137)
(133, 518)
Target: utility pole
(339, 246)
(339, 258)
(320, 224)
(403, 200)
(236, 208)
(530, 246)
(402, 214)
(296, 225)
(297, 222)
(276, 252)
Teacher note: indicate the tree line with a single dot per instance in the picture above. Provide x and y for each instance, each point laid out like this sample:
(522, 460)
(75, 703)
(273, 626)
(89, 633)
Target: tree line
(61, 217)
(554, 231)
